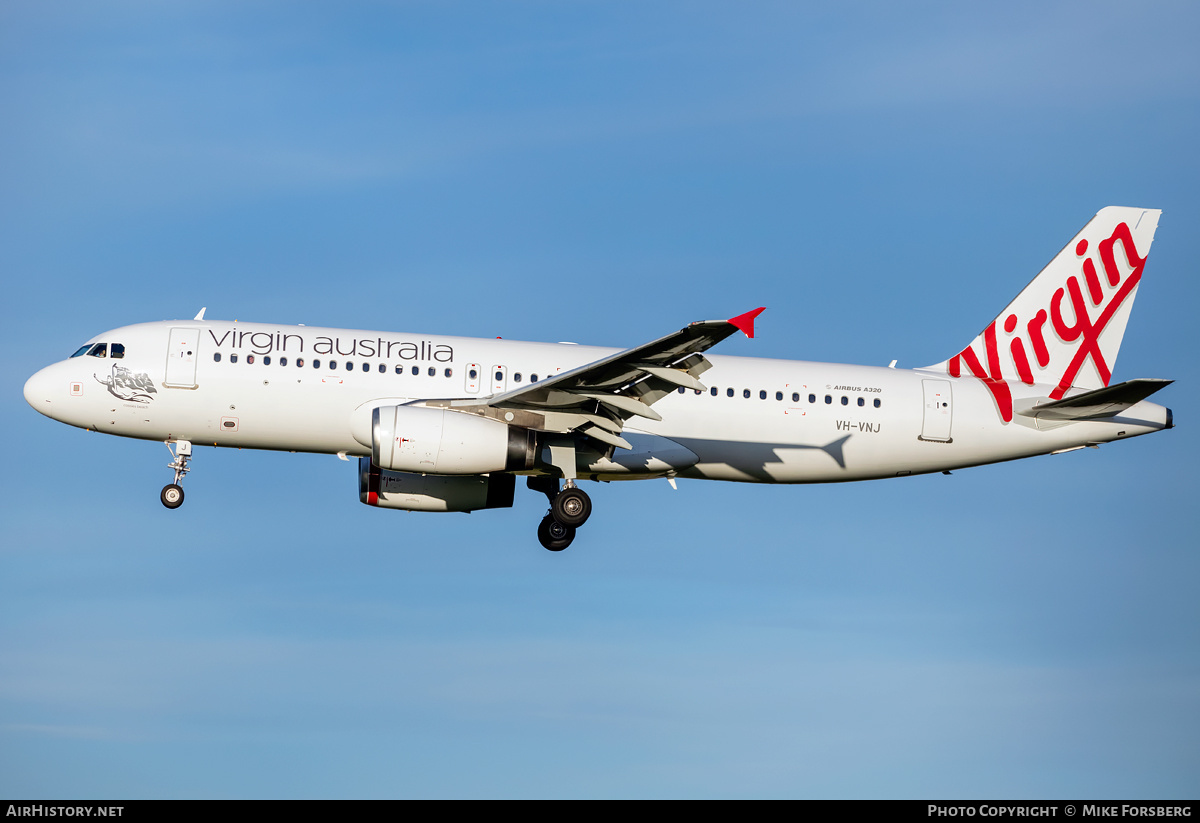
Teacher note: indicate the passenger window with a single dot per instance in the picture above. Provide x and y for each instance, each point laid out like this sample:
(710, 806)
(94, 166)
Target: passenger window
(499, 376)
(713, 391)
(516, 377)
(473, 373)
(399, 369)
(299, 362)
(862, 402)
(332, 364)
(845, 400)
(283, 361)
(267, 360)
(249, 358)
(449, 372)
(382, 368)
(729, 392)
(99, 350)
(82, 350)
(416, 371)
(533, 378)
(432, 371)
(367, 367)
(116, 350)
(828, 399)
(216, 357)
(349, 366)
(812, 398)
(762, 394)
(316, 364)
(746, 393)
(876, 402)
(233, 358)
(795, 397)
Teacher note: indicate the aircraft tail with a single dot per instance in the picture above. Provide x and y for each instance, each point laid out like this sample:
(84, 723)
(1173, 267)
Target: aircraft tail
(1064, 329)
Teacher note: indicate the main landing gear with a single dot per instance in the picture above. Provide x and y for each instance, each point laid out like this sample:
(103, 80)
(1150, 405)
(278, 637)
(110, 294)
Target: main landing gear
(569, 509)
(172, 493)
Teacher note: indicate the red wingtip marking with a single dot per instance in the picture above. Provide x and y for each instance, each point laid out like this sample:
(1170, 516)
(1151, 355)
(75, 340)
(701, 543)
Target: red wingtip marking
(745, 322)
(372, 499)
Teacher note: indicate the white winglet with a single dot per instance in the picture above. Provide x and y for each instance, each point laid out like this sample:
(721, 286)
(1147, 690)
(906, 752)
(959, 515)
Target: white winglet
(200, 314)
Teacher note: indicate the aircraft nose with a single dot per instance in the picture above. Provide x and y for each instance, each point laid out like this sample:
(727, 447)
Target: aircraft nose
(38, 392)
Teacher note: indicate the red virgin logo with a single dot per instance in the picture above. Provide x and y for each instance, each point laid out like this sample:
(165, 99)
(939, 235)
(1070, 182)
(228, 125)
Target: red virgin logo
(1070, 325)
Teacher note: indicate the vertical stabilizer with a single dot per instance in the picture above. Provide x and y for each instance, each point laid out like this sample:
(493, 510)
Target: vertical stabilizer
(1064, 329)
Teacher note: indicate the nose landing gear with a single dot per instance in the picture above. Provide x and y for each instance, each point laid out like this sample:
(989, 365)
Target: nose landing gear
(569, 509)
(172, 493)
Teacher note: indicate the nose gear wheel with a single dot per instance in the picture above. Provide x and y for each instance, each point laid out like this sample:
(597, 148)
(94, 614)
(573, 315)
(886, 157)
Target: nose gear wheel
(172, 496)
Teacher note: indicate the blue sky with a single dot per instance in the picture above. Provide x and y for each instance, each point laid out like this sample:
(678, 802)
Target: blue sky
(883, 178)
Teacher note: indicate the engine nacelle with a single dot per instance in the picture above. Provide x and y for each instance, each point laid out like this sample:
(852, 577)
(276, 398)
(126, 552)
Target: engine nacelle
(433, 493)
(431, 440)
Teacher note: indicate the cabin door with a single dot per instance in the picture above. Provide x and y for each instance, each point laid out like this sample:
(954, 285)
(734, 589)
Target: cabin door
(181, 358)
(939, 411)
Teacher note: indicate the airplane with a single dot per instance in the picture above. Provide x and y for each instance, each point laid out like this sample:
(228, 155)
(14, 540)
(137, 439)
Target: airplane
(448, 423)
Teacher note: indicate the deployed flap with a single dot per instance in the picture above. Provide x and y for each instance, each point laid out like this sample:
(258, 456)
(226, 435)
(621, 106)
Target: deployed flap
(597, 398)
(1100, 403)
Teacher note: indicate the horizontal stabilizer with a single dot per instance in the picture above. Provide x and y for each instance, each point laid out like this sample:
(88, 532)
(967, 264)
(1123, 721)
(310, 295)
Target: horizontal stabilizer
(1099, 403)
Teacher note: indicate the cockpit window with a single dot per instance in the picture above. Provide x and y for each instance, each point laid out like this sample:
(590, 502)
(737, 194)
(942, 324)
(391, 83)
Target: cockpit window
(99, 350)
(116, 350)
(82, 350)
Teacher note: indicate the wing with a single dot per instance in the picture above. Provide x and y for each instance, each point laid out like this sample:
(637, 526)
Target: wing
(598, 398)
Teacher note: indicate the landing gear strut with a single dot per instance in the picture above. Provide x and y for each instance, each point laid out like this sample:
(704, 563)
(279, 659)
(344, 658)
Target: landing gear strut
(569, 509)
(172, 493)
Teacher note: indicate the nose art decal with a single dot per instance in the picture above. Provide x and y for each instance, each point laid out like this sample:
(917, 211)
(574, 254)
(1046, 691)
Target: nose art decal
(125, 385)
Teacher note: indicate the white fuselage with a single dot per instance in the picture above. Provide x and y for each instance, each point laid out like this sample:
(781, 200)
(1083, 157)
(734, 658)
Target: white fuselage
(774, 421)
